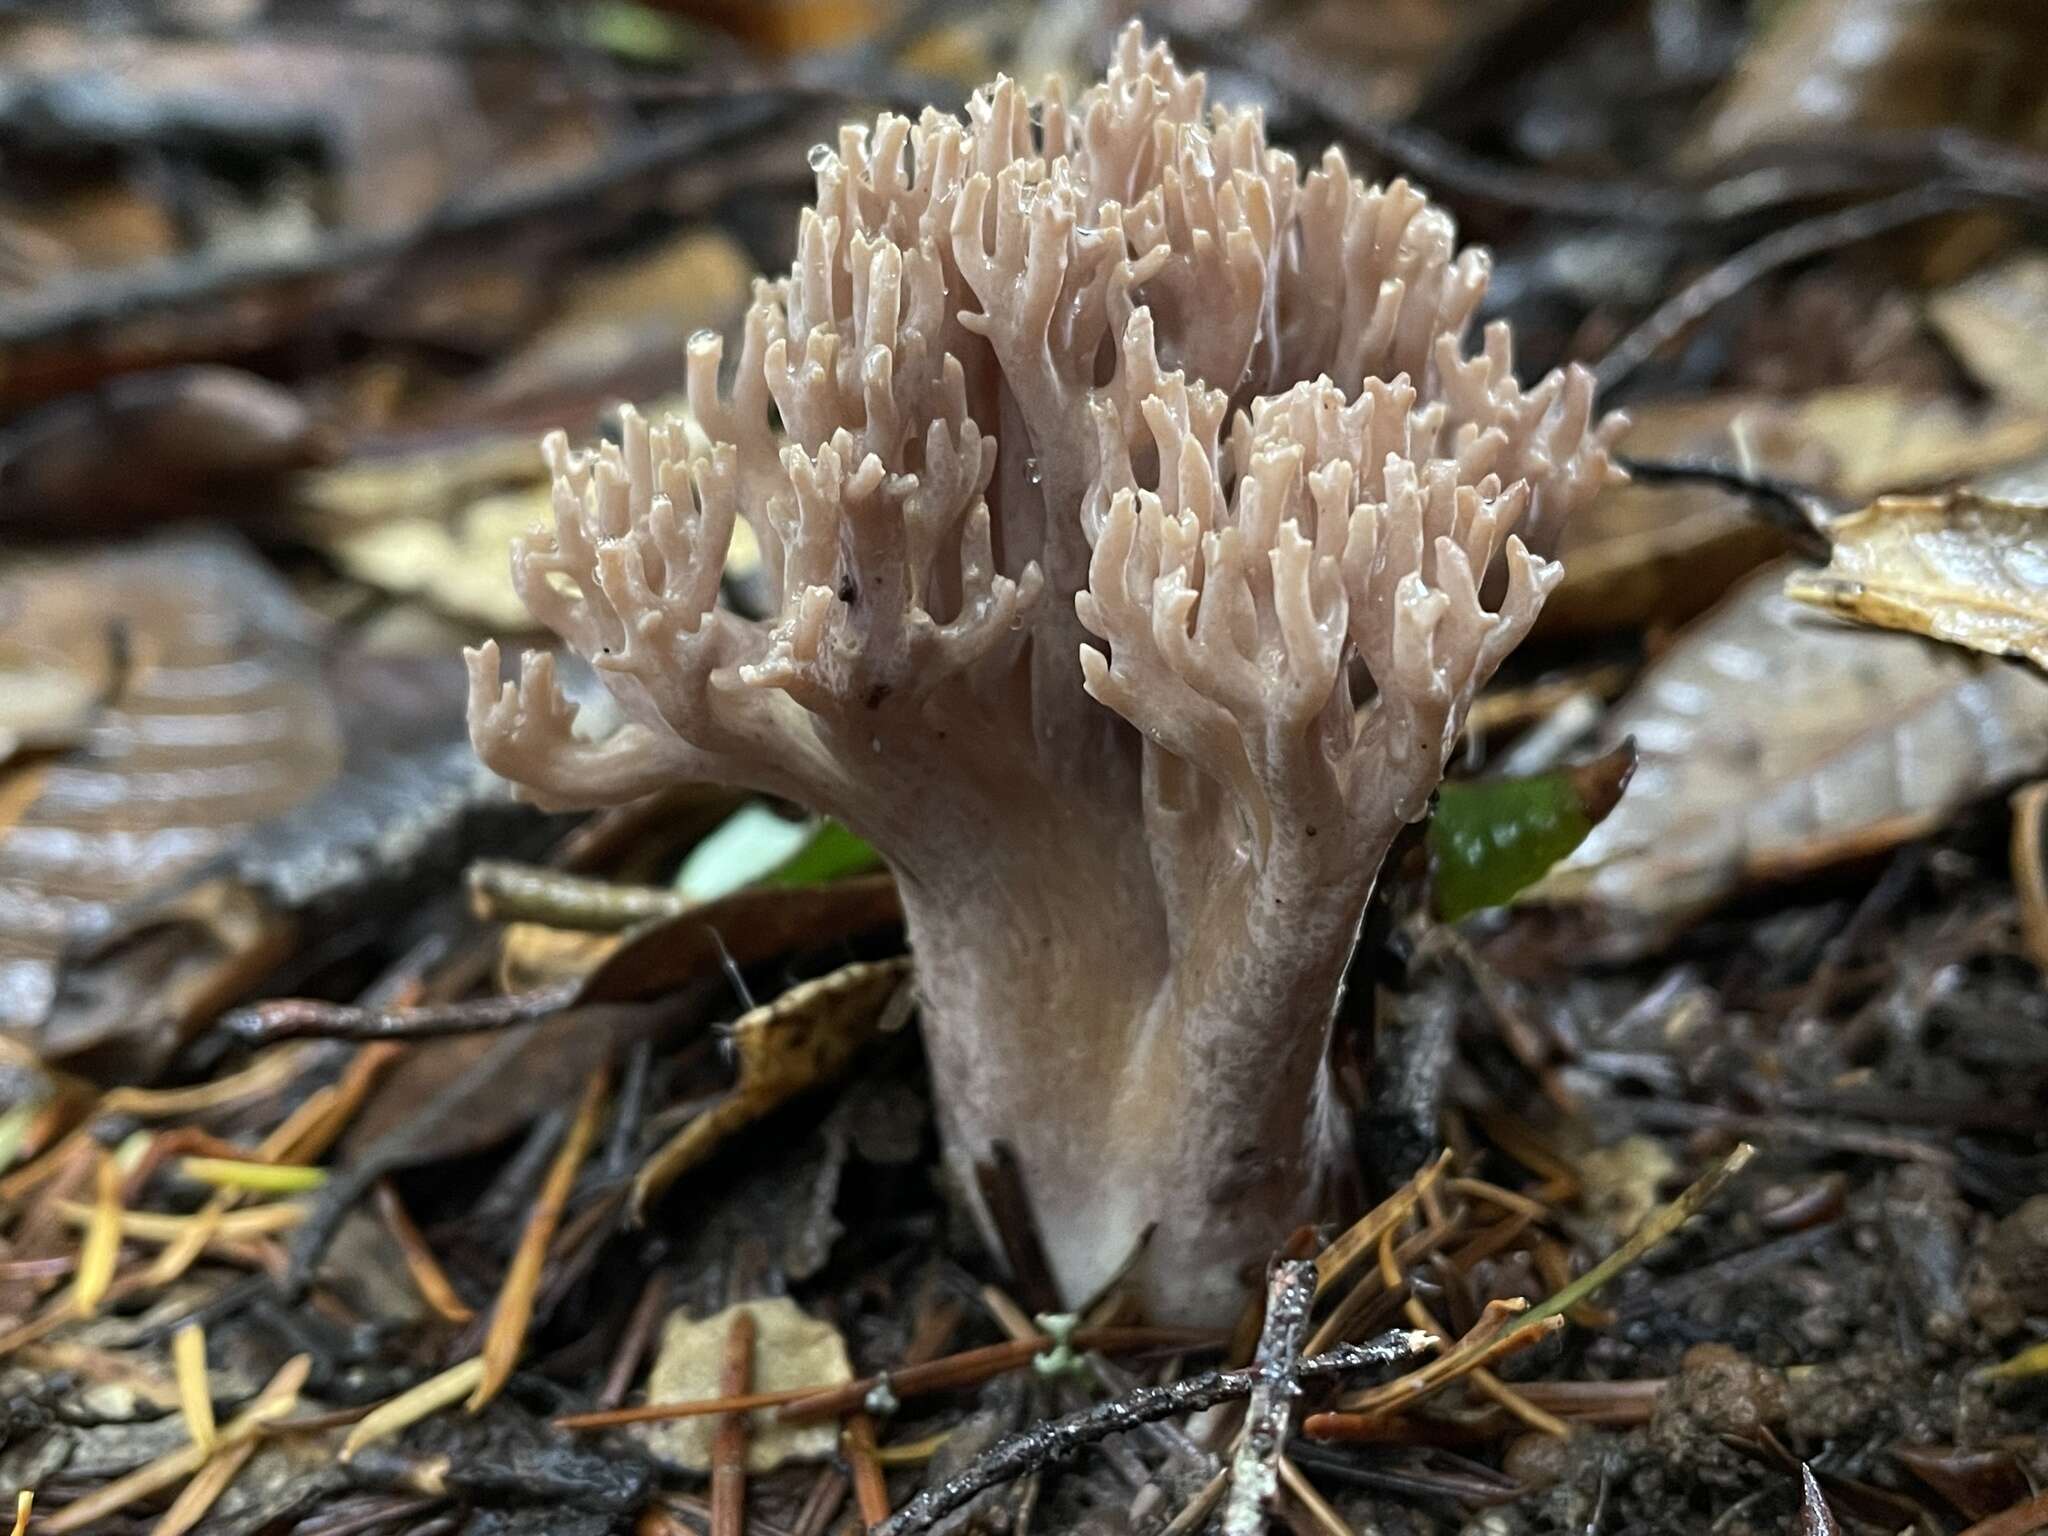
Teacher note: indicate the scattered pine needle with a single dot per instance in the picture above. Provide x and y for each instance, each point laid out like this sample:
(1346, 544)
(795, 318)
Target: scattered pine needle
(1319, 1509)
(101, 1248)
(253, 1178)
(2029, 1362)
(870, 1489)
(729, 1441)
(506, 1336)
(1659, 1225)
(2030, 867)
(2021, 1520)
(276, 1400)
(155, 1228)
(206, 1487)
(428, 1277)
(408, 1408)
(188, 1356)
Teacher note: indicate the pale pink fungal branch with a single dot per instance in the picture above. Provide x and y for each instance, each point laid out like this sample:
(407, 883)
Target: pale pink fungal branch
(1091, 695)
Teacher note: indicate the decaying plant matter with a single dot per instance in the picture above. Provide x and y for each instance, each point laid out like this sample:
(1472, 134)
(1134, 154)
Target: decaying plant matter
(1242, 446)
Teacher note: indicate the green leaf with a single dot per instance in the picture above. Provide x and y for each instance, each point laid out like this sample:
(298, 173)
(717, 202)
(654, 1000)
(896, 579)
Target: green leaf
(1491, 839)
(832, 854)
(749, 845)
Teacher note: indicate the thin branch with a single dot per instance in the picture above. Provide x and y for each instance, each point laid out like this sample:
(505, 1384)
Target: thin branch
(1796, 509)
(1255, 1469)
(1017, 1454)
(1781, 248)
(290, 1018)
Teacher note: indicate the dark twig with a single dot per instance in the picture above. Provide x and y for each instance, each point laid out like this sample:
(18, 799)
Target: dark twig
(1781, 248)
(289, 1018)
(1798, 510)
(1017, 1454)
(1255, 1470)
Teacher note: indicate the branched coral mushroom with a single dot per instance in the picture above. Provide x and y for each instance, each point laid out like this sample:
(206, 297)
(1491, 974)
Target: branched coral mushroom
(1091, 697)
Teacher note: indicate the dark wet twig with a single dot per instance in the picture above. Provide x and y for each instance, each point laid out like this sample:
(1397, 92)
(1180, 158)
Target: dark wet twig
(1029, 1449)
(1795, 509)
(1781, 248)
(1255, 1469)
(309, 1019)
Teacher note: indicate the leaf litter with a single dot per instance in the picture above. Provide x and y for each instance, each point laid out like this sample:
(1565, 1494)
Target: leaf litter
(1817, 911)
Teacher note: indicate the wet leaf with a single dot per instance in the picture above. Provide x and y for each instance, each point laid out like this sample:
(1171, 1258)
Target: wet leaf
(749, 845)
(216, 719)
(791, 1351)
(803, 1039)
(152, 446)
(1962, 568)
(1978, 1483)
(1997, 323)
(1490, 839)
(1829, 69)
(833, 853)
(1772, 744)
(483, 1088)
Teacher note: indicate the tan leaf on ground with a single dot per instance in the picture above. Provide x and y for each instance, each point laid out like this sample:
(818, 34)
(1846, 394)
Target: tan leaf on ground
(1772, 744)
(1964, 568)
(791, 1350)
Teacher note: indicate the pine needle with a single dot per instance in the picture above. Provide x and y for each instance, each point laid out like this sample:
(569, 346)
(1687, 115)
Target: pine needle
(408, 1408)
(253, 1178)
(206, 1487)
(24, 1504)
(275, 1401)
(188, 1356)
(100, 1250)
(506, 1336)
(1659, 1225)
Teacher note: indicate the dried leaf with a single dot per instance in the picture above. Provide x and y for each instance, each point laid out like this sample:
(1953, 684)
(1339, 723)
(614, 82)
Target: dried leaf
(1830, 69)
(218, 719)
(804, 1038)
(1997, 323)
(1661, 554)
(1962, 568)
(1771, 745)
(484, 1088)
(151, 446)
(791, 1352)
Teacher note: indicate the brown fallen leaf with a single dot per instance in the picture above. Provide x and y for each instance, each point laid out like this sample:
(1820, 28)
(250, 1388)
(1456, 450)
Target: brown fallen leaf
(1771, 744)
(1964, 568)
(802, 1039)
(1997, 323)
(148, 447)
(483, 1088)
(1651, 553)
(215, 719)
(1824, 70)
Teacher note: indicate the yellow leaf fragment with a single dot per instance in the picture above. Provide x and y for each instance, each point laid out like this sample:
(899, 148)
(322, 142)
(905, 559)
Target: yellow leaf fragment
(256, 1178)
(802, 1039)
(1964, 568)
(24, 1503)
